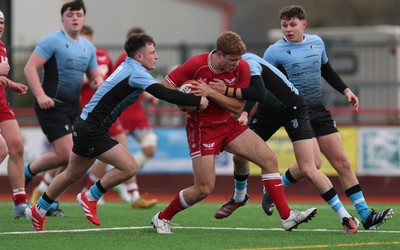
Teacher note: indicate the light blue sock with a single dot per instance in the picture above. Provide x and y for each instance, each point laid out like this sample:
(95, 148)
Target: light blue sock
(28, 173)
(285, 181)
(42, 206)
(54, 205)
(361, 206)
(95, 192)
(335, 203)
(240, 187)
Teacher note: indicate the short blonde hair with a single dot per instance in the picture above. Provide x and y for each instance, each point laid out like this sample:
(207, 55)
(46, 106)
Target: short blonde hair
(229, 43)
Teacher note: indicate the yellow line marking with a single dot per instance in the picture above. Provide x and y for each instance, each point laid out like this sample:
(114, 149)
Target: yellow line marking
(327, 246)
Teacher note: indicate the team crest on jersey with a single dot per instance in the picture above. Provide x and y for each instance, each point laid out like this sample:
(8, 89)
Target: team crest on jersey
(312, 46)
(295, 123)
(202, 79)
(289, 52)
(209, 146)
(230, 81)
(66, 45)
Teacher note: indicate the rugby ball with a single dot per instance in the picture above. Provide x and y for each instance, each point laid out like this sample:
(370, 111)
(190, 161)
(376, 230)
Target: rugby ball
(185, 88)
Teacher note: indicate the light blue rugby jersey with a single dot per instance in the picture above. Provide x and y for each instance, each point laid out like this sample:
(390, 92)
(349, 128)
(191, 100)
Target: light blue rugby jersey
(255, 63)
(66, 63)
(122, 88)
(279, 90)
(302, 64)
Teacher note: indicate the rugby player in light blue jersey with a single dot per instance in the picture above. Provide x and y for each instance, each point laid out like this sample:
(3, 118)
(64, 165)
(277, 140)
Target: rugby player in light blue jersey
(64, 57)
(302, 58)
(90, 130)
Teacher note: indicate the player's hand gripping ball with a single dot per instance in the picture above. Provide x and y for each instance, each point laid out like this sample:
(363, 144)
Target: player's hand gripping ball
(185, 88)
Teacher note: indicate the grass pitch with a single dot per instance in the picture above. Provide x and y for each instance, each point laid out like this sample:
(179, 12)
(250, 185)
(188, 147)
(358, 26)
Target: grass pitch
(248, 228)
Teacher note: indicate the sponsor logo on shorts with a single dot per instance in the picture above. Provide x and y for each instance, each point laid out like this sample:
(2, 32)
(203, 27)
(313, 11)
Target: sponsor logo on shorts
(209, 146)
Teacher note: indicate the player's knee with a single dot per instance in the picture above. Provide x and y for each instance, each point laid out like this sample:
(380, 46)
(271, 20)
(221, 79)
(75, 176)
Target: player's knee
(318, 164)
(131, 169)
(306, 173)
(205, 191)
(63, 158)
(149, 151)
(272, 161)
(239, 161)
(342, 165)
(70, 176)
(15, 149)
(149, 140)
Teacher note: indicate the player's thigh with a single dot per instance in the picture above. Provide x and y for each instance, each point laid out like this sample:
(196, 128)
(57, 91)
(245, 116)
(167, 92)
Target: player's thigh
(121, 138)
(331, 145)
(119, 157)
(98, 168)
(251, 147)
(77, 166)
(63, 145)
(304, 153)
(317, 153)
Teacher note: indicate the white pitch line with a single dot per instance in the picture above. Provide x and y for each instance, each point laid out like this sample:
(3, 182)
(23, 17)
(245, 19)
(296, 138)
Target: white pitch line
(194, 228)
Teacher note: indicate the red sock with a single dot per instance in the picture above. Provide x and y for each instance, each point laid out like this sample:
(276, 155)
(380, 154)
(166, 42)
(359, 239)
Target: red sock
(19, 198)
(172, 209)
(275, 190)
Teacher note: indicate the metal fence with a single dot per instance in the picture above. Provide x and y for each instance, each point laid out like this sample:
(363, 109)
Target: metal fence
(370, 69)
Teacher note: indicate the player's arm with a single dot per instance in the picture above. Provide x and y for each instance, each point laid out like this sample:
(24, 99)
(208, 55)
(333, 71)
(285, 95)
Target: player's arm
(337, 83)
(244, 116)
(201, 88)
(167, 84)
(18, 88)
(150, 99)
(35, 62)
(255, 92)
(94, 78)
(256, 83)
(177, 97)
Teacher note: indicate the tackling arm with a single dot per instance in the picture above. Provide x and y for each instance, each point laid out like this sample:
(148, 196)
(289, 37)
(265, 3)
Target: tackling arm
(255, 92)
(173, 96)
